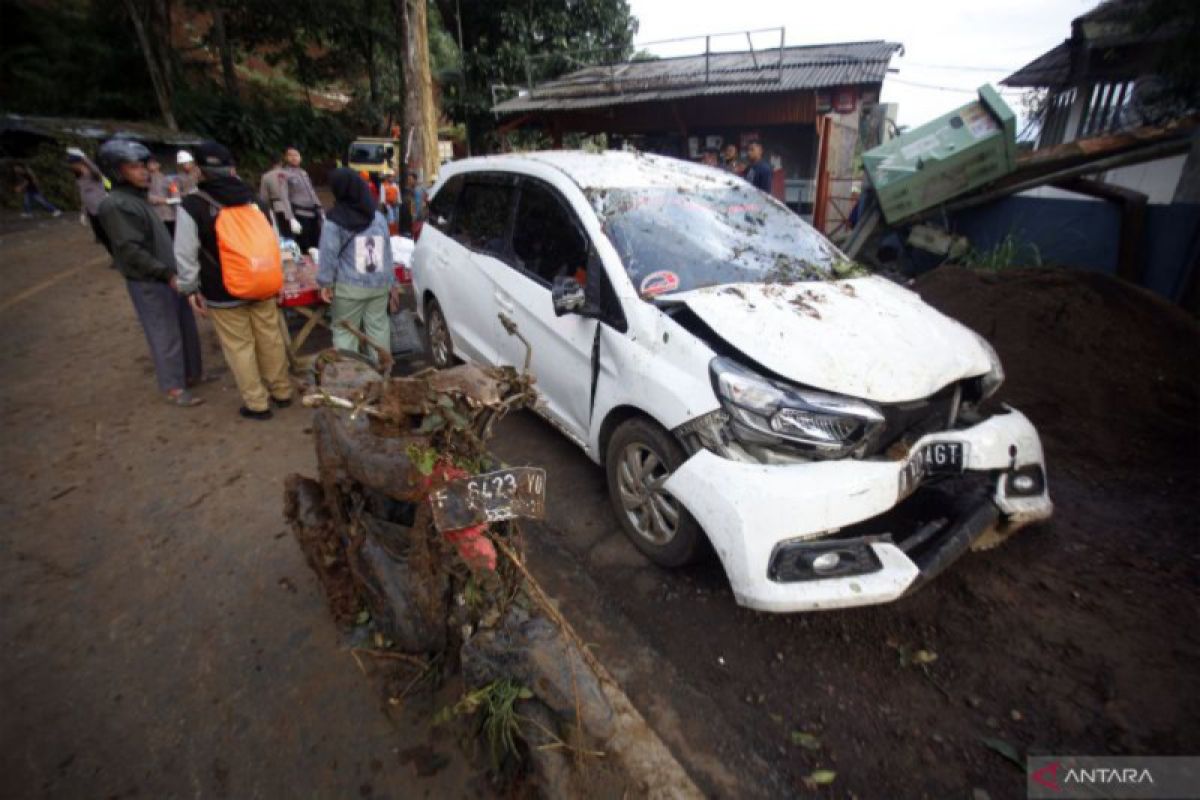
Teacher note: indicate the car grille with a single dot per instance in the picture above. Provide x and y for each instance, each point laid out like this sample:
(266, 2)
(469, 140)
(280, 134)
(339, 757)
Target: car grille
(910, 421)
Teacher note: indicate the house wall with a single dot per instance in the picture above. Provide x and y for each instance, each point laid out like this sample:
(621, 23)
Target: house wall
(1085, 234)
(1158, 180)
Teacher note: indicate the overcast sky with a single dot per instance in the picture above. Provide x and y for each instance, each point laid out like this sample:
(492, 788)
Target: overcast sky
(956, 44)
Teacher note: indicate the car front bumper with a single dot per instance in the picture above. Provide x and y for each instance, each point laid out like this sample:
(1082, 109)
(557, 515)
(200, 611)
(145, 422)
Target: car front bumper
(758, 516)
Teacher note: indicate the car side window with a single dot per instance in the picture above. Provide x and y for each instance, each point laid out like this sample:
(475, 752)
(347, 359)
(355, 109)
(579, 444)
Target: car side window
(481, 216)
(546, 239)
(442, 204)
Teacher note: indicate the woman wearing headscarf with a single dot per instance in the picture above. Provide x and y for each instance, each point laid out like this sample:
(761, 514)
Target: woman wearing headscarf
(356, 269)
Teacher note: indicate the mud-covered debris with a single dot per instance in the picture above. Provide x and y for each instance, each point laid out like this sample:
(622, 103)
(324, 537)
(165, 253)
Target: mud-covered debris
(535, 653)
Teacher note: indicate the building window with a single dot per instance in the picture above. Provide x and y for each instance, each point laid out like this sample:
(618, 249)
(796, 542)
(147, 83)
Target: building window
(1058, 111)
(1103, 111)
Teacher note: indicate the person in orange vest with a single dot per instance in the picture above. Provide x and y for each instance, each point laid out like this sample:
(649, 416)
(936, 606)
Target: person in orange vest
(366, 176)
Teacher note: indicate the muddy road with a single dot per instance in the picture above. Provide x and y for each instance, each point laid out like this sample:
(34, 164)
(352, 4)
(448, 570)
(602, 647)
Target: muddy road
(162, 635)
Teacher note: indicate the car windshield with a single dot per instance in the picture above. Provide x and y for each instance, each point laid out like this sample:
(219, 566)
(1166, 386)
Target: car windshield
(368, 153)
(675, 239)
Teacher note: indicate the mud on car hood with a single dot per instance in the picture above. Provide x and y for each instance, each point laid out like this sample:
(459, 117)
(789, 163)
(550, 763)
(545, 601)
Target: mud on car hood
(863, 337)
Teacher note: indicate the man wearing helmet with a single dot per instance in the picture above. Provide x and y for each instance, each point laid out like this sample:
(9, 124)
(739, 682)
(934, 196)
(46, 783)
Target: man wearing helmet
(143, 253)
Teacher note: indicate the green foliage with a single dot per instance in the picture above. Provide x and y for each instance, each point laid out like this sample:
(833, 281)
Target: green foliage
(1009, 252)
(509, 42)
(49, 166)
(71, 58)
(1178, 57)
(498, 721)
(81, 58)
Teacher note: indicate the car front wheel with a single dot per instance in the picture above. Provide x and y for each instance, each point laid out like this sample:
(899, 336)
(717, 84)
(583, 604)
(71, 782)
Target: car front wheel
(640, 458)
(437, 334)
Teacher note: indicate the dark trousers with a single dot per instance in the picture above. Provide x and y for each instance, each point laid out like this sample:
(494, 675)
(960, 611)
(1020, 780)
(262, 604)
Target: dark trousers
(170, 331)
(98, 232)
(311, 235)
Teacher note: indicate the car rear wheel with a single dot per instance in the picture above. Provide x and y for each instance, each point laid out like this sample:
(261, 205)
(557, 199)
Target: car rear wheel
(437, 335)
(640, 458)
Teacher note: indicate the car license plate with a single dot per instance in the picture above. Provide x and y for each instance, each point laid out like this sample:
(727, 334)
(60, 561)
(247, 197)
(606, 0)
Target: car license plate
(938, 458)
(495, 496)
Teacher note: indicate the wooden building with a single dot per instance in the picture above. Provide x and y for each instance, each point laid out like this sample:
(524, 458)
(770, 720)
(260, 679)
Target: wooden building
(808, 105)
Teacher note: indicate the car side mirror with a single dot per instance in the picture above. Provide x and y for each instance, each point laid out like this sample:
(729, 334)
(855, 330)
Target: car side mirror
(567, 296)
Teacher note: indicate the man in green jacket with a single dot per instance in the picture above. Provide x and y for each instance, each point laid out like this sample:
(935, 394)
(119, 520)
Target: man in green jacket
(143, 253)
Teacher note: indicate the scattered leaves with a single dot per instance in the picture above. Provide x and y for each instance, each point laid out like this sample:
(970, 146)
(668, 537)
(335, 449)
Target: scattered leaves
(820, 777)
(806, 740)
(1005, 749)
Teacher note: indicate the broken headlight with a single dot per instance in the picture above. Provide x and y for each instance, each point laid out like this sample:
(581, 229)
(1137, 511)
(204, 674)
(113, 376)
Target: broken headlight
(991, 380)
(772, 414)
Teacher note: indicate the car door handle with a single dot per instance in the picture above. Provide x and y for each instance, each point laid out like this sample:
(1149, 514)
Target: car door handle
(505, 302)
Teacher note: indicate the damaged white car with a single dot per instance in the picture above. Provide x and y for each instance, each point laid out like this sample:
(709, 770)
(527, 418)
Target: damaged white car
(743, 384)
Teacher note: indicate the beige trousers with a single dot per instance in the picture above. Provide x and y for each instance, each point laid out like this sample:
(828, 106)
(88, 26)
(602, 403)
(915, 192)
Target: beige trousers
(254, 350)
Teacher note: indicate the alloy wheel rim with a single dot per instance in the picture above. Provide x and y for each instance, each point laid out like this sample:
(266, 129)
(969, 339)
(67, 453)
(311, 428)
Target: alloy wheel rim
(652, 512)
(439, 337)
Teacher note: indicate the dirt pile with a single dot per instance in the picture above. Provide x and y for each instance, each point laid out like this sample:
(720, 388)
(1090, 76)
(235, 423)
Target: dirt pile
(1107, 371)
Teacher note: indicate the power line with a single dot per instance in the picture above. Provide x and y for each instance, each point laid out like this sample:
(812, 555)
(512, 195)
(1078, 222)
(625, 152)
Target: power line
(939, 88)
(956, 68)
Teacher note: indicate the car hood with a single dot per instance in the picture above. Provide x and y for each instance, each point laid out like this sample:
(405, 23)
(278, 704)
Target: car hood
(863, 337)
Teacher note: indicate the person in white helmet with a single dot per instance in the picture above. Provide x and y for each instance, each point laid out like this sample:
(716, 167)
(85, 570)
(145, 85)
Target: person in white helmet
(186, 176)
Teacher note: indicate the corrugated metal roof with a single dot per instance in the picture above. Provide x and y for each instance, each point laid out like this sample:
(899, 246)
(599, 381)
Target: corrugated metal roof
(759, 72)
(1051, 68)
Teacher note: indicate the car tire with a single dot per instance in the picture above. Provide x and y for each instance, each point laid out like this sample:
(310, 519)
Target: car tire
(438, 344)
(640, 457)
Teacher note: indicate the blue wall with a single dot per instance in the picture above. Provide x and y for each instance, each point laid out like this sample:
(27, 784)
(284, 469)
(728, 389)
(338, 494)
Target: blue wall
(1085, 234)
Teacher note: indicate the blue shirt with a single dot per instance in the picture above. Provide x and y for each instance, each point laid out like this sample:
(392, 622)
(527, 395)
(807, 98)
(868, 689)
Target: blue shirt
(759, 175)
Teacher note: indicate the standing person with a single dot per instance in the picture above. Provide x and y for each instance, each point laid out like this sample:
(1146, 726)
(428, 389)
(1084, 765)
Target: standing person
(92, 191)
(759, 172)
(158, 194)
(711, 157)
(248, 330)
(416, 196)
(391, 201)
(143, 254)
(185, 172)
(356, 270)
(731, 160)
(300, 203)
(270, 197)
(31, 193)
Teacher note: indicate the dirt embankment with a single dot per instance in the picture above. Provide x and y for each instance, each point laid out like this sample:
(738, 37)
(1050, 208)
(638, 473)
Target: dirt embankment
(1109, 373)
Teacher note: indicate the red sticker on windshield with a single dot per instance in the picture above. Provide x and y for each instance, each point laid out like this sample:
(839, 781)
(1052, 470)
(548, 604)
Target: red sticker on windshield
(658, 283)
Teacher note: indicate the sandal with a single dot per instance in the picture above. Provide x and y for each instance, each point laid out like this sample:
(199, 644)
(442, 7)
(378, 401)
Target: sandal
(183, 398)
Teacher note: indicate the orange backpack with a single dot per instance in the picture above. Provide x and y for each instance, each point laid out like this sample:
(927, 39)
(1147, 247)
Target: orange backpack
(251, 264)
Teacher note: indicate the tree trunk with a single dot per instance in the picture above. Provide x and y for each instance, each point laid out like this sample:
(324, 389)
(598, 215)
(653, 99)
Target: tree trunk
(419, 111)
(401, 14)
(369, 58)
(162, 90)
(228, 72)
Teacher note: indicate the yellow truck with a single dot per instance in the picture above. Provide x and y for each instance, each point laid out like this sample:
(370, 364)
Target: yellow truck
(374, 155)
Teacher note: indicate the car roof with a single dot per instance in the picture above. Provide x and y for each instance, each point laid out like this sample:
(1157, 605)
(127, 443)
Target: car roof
(611, 169)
